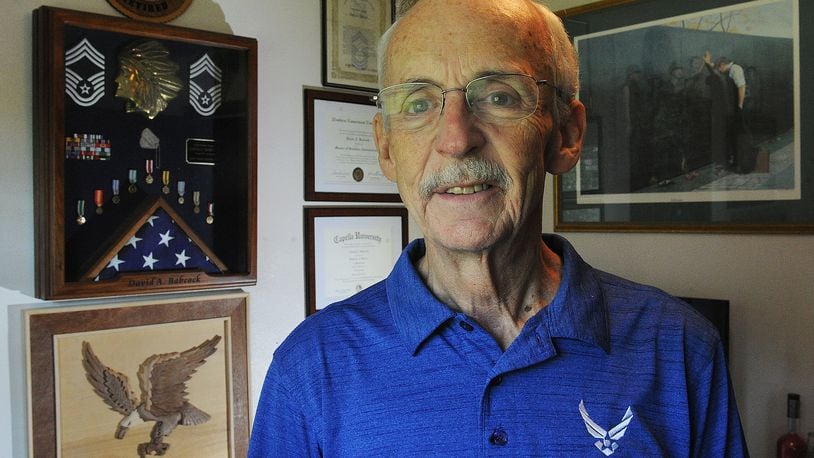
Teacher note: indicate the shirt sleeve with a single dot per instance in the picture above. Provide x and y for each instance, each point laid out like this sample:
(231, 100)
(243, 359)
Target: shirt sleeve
(736, 73)
(282, 427)
(717, 427)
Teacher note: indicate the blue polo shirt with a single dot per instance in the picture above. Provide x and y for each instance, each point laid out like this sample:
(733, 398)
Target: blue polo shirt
(609, 368)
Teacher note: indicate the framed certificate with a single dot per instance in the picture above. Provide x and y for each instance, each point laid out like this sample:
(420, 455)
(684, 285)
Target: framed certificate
(145, 157)
(341, 161)
(188, 355)
(349, 249)
(696, 118)
(350, 37)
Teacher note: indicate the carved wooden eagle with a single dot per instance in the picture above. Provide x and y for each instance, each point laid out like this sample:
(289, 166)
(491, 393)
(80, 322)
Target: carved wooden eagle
(162, 380)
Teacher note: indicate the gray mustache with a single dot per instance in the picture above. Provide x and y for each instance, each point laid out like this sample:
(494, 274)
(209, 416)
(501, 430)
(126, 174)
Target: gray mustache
(470, 169)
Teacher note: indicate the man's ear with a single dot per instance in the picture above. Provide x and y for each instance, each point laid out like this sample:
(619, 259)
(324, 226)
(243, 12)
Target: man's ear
(564, 154)
(382, 140)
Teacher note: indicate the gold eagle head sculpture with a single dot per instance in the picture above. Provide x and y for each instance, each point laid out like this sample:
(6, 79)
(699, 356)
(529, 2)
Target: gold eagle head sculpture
(147, 78)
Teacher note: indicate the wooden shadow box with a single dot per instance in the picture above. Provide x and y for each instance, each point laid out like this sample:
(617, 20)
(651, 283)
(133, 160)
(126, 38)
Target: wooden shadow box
(145, 146)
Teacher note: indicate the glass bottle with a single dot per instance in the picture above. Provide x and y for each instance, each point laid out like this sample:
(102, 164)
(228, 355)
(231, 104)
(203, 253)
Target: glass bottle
(791, 444)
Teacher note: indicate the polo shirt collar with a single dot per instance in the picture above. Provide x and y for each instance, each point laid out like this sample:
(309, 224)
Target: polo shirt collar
(417, 313)
(578, 310)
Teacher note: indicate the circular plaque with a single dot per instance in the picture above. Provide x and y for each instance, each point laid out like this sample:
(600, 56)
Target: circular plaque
(151, 10)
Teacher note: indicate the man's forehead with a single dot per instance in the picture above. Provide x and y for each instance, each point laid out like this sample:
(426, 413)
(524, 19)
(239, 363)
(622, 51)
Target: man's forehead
(475, 35)
(445, 67)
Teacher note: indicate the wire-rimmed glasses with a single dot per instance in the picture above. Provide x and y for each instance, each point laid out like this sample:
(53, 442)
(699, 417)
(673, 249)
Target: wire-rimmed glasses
(496, 99)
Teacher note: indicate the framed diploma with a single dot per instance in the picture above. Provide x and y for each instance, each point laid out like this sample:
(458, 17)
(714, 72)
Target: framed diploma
(350, 37)
(85, 365)
(145, 156)
(341, 161)
(349, 249)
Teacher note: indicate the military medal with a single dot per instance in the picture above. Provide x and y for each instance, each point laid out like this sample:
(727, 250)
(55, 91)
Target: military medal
(132, 177)
(196, 201)
(148, 167)
(116, 199)
(165, 178)
(80, 212)
(99, 200)
(182, 185)
(211, 218)
(88, 147)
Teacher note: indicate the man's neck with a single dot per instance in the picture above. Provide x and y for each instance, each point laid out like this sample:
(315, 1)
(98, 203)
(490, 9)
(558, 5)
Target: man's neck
(500, 288)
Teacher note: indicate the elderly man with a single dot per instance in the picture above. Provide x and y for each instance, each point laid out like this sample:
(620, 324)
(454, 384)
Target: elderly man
(487, 339)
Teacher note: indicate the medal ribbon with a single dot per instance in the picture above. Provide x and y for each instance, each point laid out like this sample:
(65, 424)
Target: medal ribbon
(80, 207)
(182, 185)
(132, 176)
(196, 198)
(98, 197)
(115, 187)
(165, 177)
(148, 166)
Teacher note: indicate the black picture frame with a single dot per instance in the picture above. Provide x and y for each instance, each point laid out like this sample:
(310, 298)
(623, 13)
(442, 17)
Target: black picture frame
(618, 185)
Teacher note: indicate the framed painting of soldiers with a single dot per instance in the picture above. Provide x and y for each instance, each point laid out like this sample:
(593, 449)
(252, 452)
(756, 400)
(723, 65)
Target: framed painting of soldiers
(165, 376)
(145, 155)
(695, 121)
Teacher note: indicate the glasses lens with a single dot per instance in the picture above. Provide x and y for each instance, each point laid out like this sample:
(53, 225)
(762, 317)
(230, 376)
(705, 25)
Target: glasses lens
(410, 105)
(497, 98)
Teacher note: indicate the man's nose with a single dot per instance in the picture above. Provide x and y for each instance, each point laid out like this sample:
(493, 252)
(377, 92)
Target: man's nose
(457, 134)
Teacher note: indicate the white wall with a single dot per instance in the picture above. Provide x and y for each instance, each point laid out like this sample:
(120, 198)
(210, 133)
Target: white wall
(767, 278)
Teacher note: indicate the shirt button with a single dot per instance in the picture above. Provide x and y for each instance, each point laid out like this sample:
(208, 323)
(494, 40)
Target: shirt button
(466, 326)
(499, 437)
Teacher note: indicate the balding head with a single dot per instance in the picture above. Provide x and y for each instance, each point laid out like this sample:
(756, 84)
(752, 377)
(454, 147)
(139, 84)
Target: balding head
(535, 29)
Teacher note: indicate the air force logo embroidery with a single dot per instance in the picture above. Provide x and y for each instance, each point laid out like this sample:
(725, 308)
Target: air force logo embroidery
(607, 439)
(84, 74)
(205, 86)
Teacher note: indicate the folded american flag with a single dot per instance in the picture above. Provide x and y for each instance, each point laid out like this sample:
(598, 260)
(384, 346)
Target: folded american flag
(159, 244)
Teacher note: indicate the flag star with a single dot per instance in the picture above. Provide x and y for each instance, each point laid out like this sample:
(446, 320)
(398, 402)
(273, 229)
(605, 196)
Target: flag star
(149, 261)
(114, 263)
(165, 239)
(133, 241)
(152, 218)
(182, 258)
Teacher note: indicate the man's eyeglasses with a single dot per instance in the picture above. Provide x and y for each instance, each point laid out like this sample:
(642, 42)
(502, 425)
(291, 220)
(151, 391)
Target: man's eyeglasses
(495, 99)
